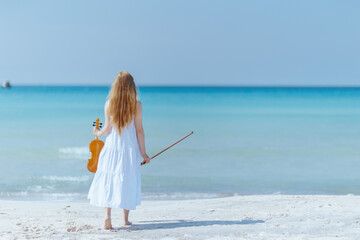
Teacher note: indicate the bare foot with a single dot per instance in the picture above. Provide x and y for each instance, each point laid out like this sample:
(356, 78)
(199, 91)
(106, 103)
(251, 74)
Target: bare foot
(107, 224)
(128, 223)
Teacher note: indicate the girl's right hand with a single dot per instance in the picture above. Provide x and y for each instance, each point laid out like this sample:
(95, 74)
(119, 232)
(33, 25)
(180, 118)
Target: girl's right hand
(146, 160)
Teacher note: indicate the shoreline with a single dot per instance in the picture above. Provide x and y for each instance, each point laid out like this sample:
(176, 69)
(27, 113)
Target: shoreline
(236, 217)
(147, 196)
(174, 196)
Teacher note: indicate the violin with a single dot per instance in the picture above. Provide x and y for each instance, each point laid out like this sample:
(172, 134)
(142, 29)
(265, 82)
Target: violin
(95, 147)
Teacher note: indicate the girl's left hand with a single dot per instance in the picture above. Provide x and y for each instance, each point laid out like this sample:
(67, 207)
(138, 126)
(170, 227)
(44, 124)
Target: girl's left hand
(96, 132)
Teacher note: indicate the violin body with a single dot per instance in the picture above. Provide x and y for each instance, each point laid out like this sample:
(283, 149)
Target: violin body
(95, 147)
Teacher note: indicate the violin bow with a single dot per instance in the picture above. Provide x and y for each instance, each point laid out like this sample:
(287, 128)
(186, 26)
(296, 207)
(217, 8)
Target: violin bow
(170, 146)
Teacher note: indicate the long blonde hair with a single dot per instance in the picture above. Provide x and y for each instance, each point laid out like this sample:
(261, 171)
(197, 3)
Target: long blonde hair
(122, 100)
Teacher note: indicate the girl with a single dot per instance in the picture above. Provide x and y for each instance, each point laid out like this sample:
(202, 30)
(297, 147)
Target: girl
(117, 181)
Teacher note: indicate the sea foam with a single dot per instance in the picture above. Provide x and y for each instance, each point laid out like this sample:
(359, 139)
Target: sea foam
(67, 178)
(75, 152)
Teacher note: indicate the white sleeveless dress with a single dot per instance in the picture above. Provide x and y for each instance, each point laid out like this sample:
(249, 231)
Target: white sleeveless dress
(117, 181)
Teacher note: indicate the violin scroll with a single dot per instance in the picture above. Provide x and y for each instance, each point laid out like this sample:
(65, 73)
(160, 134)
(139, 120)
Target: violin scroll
(97, 123)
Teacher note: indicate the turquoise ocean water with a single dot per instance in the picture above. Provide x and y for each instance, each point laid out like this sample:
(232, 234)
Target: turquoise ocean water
(246, 141)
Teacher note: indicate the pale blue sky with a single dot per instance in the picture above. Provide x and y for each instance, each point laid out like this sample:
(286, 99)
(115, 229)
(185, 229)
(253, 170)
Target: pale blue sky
(194, 42)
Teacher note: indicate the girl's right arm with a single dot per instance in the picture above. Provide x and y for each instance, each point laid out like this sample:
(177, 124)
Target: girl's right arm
(140, 133)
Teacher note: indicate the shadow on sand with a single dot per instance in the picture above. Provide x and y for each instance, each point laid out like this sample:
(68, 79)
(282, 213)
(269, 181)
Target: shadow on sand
(167, 224)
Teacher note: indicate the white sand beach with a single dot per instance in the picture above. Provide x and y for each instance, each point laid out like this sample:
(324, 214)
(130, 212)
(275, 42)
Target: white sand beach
(239, 217)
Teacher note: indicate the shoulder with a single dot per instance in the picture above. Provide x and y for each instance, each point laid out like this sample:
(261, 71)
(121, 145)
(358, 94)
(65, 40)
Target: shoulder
(138, 109)
(138, 105)
(107, 103)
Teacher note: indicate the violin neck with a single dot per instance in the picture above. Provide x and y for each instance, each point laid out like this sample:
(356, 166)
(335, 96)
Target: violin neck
(97, 126)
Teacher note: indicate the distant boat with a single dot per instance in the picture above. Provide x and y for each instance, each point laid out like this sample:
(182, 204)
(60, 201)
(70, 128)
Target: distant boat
(6, 84)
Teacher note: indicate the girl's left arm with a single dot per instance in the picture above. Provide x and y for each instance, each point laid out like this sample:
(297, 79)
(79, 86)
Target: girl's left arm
(107, 126)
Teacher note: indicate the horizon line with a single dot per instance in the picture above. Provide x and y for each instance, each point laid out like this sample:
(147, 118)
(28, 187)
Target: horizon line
(196, 86)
